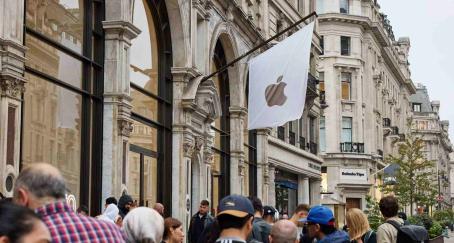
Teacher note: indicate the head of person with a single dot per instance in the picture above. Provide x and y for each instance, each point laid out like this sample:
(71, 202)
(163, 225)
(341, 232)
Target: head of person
(83, 210)
(39, 184)
(110, 200)
(257, 204)
(320, 222)
(235, 216)
(204, 207)
(388, 206)
(357, 223)
(301, 211)
(173, 230)
(143, 225)
(402, 215)
(21, 224)
(269, 214)
(283, 231)
(125, 204)
(159, 208)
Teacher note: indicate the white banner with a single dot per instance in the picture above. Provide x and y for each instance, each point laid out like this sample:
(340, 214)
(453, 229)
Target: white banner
(278, 81)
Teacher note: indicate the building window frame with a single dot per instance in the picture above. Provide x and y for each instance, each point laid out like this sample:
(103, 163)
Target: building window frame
(345, 45)
(344, 6)
(347, 129)
(346, 86)
(416, 107)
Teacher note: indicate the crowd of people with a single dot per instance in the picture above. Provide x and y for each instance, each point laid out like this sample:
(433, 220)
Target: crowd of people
(38, 212)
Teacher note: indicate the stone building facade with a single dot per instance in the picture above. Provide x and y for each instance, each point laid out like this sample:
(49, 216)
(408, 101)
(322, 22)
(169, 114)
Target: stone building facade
(365, 87)
(112, 93)
(427, 125)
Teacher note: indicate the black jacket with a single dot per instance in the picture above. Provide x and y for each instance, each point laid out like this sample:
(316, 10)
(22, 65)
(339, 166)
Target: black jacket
(197, 225)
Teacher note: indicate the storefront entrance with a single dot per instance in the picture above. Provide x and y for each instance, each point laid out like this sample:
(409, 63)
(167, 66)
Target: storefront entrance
(142, 172)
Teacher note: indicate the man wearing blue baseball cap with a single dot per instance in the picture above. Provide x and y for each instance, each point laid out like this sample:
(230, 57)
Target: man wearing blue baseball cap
(320, 224)
(235, 215)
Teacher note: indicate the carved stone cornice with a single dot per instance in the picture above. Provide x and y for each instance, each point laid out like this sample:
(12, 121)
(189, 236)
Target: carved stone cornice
(237, 111)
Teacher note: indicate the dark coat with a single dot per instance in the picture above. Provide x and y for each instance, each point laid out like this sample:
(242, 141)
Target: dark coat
(197, 226)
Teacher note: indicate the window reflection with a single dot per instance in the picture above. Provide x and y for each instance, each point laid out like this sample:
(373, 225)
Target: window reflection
(60, 20)
(144, 56)
(52, 129)
(144, 105)
(47, 59)
(144, 136)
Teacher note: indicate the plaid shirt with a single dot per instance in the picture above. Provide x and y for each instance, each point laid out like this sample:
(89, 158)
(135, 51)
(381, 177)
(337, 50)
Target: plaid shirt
(67, 226)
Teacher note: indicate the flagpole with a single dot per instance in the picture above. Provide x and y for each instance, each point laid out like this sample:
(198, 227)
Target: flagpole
(259, 46)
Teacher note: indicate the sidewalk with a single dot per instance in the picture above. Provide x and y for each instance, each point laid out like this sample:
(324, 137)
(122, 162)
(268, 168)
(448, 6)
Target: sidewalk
(451, 238)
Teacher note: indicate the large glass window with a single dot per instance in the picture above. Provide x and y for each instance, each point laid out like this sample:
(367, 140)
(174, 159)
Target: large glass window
(62, 118)
(61, 21)
(151, 113)
(320, 8)
(221, 128)
(52, 129)
(346, 84)
(250, 151)
(346, 129)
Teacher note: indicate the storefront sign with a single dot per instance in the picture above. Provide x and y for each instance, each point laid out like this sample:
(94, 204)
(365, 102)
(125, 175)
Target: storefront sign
(353, 175)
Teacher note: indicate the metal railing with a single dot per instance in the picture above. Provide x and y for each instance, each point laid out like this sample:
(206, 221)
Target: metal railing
(349, 147)
(302, 143)
(394, 130)
(313, 147)
(281, 133)
(292, 138)
(386, 122)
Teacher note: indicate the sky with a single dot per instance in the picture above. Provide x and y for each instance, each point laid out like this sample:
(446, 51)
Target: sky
(430, 26)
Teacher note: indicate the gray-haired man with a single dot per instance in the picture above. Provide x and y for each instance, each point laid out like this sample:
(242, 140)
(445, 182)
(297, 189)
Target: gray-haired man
(41, 187)
(283, 231)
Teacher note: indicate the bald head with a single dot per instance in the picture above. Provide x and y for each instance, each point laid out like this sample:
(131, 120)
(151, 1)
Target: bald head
(159, 208)
(283, 231)
(39, 181)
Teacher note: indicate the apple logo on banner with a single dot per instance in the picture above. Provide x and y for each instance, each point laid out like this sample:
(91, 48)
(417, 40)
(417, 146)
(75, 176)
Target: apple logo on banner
(274, 93)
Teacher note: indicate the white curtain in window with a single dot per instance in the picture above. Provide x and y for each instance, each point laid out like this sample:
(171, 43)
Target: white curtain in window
(346, 129)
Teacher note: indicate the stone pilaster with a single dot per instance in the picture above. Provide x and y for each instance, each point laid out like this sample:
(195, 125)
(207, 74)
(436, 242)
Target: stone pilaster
(303, 189)
(264, 179)
(12, 81)
(271, 188)
(237, 164)
(119, 31)
(315, 195)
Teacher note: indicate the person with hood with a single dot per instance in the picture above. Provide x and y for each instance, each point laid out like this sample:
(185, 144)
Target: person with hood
(110, 214)
(320, 224)
(125, 204)
(143, 225)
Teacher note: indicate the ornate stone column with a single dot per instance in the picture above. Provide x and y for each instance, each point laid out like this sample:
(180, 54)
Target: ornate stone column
(119, 31)
(12, 81)
(237, 165)
(264, 177)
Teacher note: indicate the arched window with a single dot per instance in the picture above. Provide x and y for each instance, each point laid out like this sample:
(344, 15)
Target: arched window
(150, 140)
(221, 128)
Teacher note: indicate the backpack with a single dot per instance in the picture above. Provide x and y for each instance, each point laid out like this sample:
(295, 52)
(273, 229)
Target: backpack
(409, 233)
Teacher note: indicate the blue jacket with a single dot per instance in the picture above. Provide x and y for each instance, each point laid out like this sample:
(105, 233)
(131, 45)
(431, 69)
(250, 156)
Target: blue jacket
(336, 237)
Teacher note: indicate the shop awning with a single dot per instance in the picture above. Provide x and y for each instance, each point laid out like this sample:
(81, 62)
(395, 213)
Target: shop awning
(286, 184)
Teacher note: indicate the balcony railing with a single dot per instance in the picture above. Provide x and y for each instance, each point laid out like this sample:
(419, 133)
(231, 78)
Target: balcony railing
(394, 130)
(352, 147)
(313, 147)
(380, 152)
(303, 143)
(281, 133)
(386, 122)
(292, 138)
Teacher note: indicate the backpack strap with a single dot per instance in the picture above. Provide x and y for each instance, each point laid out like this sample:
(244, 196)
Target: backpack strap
(369, 233)
(394, 223)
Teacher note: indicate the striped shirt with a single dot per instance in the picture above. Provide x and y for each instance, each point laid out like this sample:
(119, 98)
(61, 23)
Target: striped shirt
(67, 226)
(230, 240)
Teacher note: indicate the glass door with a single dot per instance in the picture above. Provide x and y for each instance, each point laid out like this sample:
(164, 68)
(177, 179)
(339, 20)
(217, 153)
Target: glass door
(142, 179)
